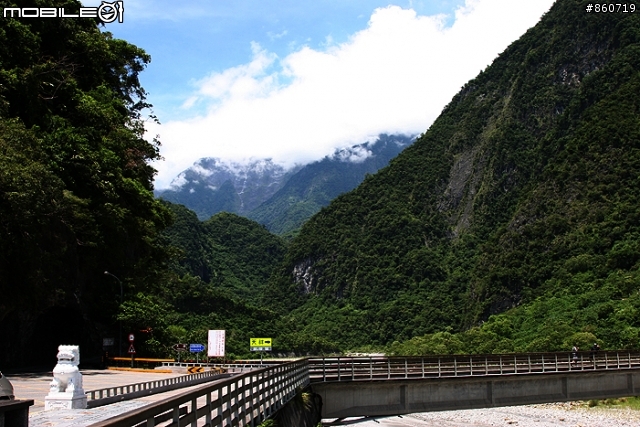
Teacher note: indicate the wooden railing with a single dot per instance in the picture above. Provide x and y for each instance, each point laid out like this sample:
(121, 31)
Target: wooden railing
(229, 367)
(242, 400)
(249, 398)
(15, 413)
(381, 368)
(105, 396)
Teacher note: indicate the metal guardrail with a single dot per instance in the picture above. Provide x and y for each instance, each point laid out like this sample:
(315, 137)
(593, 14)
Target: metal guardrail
(231, 367)
(385, 368)
(105, 396)
(242, 400)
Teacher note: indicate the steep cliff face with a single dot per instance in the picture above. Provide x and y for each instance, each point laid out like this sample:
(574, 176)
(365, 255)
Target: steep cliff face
(534, 163)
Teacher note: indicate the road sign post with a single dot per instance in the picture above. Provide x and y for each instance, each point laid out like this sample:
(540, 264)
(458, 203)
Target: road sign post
(132, 351)
(196, 348)
(261, 345)
(179, 348)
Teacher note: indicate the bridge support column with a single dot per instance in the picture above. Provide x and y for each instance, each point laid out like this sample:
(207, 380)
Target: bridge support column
(403, 396)
(490, 393)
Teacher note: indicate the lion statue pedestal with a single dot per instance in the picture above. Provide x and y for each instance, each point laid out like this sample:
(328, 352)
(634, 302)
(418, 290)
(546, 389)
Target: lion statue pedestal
(65, 391)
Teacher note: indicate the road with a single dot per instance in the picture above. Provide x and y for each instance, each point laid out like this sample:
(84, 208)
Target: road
(36, 386)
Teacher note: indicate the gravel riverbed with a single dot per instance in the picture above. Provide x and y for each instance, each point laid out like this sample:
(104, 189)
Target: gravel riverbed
(571, 414)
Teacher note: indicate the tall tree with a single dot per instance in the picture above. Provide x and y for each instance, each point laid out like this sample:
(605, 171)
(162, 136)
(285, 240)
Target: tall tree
(75, 181)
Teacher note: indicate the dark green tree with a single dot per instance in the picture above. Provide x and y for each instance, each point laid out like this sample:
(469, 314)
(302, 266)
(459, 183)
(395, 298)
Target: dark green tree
(75, 182)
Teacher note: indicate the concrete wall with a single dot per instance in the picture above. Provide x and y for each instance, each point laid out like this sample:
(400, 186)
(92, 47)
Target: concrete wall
(301, 411)
(394, 397)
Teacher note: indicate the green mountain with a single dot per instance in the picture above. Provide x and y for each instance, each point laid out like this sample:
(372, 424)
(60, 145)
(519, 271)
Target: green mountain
(230, 252)
(221, 267)
(513, 218)
(280, 198)
(317, 183)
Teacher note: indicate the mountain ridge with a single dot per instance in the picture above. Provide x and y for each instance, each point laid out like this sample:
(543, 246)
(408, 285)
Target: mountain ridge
(279, 197)
(214, 185)
(317, 183)
(487, 209)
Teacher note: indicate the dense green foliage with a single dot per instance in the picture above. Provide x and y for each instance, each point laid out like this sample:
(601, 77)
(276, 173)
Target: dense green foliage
(75, 184)
(520, 199)
(76, 200)
(228, 251)
(220, 268)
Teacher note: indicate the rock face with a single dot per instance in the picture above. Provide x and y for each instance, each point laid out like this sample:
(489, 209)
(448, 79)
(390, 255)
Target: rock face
(214, 185)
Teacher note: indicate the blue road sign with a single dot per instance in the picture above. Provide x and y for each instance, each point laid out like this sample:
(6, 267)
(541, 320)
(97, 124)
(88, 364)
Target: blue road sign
(196, 348)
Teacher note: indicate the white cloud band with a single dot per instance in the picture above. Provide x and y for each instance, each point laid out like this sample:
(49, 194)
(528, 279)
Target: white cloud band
(395, 76)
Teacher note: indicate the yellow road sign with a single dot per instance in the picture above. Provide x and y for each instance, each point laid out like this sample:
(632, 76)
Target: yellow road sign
(195, 369)
(260, 342)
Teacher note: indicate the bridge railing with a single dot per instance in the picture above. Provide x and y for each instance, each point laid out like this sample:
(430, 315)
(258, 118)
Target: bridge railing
(105, 396)
(229, 367)
(380, 368)
(242, 400)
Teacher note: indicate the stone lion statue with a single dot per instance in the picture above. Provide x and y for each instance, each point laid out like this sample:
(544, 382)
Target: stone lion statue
(66, 375)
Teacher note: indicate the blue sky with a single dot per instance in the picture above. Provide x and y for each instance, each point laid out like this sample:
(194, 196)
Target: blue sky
(292, 80)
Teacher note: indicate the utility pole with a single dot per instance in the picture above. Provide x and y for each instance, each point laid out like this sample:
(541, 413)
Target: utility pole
(121, 297)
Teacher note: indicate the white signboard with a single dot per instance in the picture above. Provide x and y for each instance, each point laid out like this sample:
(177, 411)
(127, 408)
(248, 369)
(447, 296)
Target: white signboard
(216, 343)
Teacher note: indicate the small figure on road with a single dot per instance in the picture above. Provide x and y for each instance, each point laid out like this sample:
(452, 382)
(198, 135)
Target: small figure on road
(574, 354)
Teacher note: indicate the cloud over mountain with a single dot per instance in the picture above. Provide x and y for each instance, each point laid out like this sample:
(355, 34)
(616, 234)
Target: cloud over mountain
(394, 76)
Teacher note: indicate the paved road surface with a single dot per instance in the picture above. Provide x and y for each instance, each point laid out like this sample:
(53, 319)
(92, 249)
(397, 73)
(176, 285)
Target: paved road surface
(36, 386)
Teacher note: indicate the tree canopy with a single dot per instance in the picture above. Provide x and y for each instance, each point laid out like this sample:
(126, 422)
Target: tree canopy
(75, 180)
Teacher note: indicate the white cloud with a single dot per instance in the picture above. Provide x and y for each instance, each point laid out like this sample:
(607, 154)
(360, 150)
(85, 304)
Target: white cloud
(395, 76)
(357, 154)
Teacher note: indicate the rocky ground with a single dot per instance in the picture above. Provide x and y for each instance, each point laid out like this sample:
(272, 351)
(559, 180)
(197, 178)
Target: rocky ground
(571, 414)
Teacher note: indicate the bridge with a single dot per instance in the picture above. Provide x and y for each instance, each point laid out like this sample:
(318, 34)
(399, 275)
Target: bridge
(378, 386)
(404, 385)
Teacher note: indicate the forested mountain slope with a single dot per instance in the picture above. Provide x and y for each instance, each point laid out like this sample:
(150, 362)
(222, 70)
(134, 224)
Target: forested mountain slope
(230, 252)
(523, 193)
(317, 183)
(219, 267)
(280, 198)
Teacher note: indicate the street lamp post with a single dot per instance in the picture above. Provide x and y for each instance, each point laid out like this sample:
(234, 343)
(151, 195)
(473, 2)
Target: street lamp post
(121, 297)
